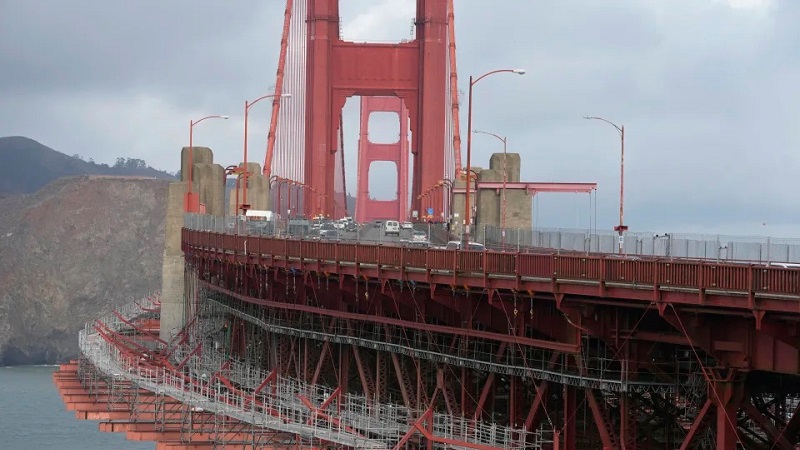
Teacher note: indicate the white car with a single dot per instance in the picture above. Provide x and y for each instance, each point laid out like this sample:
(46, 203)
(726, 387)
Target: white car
(406, 225)
(419, 236)
(456, 245)
(391, 227)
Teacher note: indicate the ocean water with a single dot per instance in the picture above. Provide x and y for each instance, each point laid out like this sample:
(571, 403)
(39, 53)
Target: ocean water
(32, 416)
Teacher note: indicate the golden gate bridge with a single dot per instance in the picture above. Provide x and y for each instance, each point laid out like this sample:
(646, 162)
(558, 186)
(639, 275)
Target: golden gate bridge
(263, 340)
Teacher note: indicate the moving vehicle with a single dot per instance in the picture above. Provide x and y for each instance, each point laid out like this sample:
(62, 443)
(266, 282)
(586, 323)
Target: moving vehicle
(419, 236)
(299, 227)
(259, 221)
(392, 227)
(328, 230)
(456, 245)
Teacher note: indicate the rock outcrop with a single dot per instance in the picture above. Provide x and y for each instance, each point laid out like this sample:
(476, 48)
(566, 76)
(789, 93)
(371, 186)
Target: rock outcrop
(75, 249)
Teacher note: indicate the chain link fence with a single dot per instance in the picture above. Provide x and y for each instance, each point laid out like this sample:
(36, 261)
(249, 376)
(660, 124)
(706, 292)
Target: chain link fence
(668, 245)
(421, 234)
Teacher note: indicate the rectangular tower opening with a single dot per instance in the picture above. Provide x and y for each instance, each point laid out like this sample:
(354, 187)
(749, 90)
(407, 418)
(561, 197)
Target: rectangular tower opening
(377, 21)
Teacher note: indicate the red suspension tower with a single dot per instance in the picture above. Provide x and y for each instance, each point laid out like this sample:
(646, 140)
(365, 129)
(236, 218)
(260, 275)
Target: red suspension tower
(368, 209)
(321, 71)
(415, 71)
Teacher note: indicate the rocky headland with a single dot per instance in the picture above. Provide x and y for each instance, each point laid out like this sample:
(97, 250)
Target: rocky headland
(74, 249)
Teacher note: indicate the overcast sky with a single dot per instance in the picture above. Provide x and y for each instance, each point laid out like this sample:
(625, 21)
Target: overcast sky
(707, 91)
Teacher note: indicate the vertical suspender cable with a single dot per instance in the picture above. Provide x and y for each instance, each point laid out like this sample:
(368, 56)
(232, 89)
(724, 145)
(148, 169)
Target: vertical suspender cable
(276, 100)
(454, 88)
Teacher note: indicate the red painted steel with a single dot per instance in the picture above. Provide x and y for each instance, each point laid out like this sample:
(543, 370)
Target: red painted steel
(414, 71)
(716, 285)
(368, 209)
(710, 305)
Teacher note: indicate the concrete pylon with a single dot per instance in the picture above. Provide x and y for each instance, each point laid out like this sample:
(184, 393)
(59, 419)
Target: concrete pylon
(209, 182)
(488, 202)
(459, 201)
(519, 208)
(208, 178)
(172, 270)
(200, 155)
(513, 164)
(257, 190)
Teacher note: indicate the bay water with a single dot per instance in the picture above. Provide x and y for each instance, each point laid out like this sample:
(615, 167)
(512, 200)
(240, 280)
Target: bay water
(32, 416)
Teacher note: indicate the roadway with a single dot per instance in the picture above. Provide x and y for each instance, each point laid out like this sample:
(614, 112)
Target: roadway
(371, 232)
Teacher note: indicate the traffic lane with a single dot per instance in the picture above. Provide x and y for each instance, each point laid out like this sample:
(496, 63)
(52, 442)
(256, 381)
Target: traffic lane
(375, 233)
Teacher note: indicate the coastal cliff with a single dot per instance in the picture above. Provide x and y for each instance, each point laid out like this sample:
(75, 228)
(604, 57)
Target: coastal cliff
(71, 251)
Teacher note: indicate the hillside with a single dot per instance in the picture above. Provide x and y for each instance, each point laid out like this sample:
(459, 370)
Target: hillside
(70, 252)
(27, 165)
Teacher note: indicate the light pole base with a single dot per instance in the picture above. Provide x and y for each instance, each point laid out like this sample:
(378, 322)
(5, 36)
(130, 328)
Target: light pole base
(191, 202)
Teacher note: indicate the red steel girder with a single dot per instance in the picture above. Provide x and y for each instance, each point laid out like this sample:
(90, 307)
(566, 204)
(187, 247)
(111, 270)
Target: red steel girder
(499, 337)
(750, 287)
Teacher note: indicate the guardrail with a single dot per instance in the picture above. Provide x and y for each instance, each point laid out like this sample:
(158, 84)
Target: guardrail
(715, 247)
(744, 279)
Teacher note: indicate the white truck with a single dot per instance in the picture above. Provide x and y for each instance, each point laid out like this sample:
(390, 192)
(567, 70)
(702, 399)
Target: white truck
(391, 227)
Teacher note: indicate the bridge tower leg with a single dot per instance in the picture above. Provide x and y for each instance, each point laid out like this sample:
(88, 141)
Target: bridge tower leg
(728, 396)
(415, 71)
(368, 209)
(568, 437)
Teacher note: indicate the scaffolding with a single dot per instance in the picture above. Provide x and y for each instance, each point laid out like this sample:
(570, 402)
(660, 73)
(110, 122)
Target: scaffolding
(210, 383)
(480, 354)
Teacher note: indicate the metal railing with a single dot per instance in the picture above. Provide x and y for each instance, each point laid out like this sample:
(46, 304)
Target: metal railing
(354, 420)
(367, 233)
(666, 245)
(715, 247)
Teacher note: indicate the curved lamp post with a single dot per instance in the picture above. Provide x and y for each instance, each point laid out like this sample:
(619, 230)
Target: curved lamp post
(245, 172)
(448, 184)
(505, 178)
(469, 141)
(189, 198)
(621, 130)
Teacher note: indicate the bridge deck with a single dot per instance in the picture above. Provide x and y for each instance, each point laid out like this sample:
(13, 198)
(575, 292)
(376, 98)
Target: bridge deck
(601, 277)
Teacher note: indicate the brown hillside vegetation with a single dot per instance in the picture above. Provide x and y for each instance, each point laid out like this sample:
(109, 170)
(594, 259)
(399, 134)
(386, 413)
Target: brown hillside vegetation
(73, 250)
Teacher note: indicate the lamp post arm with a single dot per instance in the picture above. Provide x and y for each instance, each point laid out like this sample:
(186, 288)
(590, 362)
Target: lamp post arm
(501, 138)
(216, 116)
(519, 71)
(619, 129)
(249, 104)
(467, 211)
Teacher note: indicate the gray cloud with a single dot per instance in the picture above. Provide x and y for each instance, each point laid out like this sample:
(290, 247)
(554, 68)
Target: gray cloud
(707, 93)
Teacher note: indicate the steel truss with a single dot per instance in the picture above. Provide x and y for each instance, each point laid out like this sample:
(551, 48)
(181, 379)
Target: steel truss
(125, 405)
(229, 388)
(479, 354)
(313, 316)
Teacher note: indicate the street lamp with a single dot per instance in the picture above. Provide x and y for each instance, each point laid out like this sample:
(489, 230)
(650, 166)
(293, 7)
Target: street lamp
(247, 105)
(189, 198)
(621, 130)
(448, 183)
(505, 177)
(469, 141)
